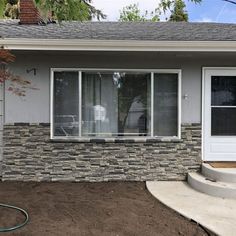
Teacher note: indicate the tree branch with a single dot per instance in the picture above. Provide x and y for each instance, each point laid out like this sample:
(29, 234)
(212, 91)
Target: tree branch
(230, 1)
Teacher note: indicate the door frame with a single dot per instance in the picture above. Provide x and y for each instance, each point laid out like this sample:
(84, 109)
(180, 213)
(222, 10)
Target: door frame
(204, 70)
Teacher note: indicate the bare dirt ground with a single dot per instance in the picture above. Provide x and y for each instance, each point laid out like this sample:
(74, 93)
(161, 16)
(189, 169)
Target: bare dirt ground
(91, 209)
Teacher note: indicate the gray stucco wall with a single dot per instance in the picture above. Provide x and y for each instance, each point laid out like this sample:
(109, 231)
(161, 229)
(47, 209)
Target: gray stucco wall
(34, 108)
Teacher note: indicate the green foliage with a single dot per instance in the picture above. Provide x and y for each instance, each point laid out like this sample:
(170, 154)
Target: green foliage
(133, 13)
(170, 4)
(81, 10)
(3, 4)
(175, 7)
(178, 13)
(12, 9)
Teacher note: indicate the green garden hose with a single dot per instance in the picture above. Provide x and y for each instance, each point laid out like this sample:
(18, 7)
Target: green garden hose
(19, 225)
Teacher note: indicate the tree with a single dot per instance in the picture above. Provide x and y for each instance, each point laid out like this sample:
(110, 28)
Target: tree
(61, 9)
(170, 4)
(70, 9)
(178, 13)
(12, 9)
(18, 85)
(3, 4)
(133, 13)
(230, 1)
(175, 7)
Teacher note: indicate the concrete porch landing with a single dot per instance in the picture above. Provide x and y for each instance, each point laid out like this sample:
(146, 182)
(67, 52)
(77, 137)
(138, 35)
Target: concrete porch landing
(214, 213)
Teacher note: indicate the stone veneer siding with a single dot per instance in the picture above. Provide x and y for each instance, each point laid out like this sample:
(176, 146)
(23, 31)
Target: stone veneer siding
(30, 155)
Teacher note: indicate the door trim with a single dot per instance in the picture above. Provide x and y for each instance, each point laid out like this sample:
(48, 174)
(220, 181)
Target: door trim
(204, 70)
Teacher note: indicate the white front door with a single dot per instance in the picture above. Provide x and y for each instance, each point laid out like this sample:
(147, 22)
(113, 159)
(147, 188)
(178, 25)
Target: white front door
(219, 114)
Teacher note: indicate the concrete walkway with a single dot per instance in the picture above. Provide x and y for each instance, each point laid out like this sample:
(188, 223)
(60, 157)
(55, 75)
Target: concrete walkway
(214, 213)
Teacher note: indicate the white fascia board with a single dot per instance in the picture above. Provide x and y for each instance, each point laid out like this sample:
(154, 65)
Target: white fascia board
(117, 45)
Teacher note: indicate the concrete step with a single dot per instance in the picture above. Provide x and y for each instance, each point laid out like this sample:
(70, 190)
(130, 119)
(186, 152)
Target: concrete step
(217, 189)
(219, 174)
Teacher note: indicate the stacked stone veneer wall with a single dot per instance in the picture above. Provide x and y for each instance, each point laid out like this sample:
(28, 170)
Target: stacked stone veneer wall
(30, 155)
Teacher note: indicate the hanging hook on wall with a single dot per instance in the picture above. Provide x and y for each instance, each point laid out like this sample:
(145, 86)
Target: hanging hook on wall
(30, 70)
(185, 97)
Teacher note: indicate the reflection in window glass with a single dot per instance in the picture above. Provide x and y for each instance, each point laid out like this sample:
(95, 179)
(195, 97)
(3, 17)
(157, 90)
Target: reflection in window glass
(134, 104)
(99, 108)
(223, 90)
(115, 104)
(223, 121)
(165, 104)
(66, 108)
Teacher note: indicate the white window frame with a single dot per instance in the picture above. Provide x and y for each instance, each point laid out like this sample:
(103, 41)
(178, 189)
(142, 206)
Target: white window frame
(81, 70)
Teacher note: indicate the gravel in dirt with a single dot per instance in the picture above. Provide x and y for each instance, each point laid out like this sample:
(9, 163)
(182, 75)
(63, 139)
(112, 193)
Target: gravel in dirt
(91, 209)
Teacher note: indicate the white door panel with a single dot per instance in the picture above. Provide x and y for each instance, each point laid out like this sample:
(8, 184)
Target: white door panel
(221, 147)
(219, 114)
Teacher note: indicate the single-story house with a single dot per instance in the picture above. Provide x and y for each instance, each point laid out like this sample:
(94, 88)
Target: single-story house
(118, 101)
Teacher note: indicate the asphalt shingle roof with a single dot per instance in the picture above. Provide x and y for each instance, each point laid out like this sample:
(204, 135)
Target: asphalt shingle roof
(160, 31)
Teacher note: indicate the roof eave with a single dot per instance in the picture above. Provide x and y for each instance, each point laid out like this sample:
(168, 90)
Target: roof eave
(116, 45)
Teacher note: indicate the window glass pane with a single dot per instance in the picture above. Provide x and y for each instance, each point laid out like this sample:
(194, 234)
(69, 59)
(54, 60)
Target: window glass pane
(99, 104)
(66, 104)
(115, 104)
(223, 121)
(223, 90)
(165, 104)
(134, 104)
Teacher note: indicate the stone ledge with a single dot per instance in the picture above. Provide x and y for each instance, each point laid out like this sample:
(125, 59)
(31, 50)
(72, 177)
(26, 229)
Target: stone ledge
(143, 139)
(26, 124)
(117, 140)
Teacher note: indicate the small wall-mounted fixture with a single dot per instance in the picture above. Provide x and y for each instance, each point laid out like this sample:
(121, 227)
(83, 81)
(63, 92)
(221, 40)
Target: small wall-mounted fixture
(30, 70)
(185, 97)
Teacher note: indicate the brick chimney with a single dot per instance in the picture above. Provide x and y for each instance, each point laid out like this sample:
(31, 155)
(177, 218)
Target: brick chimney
(29, 14)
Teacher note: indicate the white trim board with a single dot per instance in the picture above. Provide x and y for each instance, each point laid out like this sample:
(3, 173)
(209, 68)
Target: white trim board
(116, 45)
(214, 148)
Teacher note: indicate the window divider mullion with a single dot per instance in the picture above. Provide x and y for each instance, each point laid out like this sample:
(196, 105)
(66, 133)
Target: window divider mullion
(179, 103)
(152, 104)
(52, 105)
(80, 104)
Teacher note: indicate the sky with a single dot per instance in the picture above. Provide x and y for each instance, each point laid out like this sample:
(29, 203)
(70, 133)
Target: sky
(207, 11)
